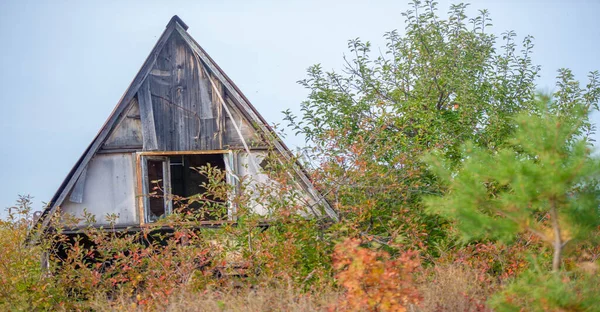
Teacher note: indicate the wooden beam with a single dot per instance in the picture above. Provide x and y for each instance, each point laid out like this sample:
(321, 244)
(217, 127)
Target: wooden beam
(155, 227)
(139, 189)
(77, 193)
(119, 150)
(149, 138)
(173, 153)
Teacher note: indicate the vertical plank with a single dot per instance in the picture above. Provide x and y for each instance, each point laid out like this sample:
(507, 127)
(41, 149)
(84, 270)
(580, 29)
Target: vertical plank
(184, 119)
(205, 114)
(147, 117)
(142, 189)
(145, 189)
(219, 118)
(197, 99)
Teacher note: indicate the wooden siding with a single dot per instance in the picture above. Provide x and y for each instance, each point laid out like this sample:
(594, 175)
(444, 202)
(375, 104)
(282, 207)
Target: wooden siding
(185, 117)
(127, 134)
(108, 189)
(179, 107)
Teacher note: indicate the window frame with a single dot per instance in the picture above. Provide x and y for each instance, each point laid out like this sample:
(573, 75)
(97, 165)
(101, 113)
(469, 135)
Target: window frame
(166, 185)
(143, 202)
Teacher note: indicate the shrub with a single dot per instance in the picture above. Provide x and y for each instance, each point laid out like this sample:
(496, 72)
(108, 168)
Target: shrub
(372, 280)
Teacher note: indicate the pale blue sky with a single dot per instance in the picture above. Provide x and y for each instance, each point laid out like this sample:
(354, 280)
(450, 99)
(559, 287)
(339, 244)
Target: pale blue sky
(65, 64)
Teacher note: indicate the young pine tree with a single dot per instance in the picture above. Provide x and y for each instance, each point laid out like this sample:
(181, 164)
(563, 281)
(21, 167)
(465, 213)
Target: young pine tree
(544, 182)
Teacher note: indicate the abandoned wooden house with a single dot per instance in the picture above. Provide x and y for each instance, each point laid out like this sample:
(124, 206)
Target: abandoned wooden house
(181, 111)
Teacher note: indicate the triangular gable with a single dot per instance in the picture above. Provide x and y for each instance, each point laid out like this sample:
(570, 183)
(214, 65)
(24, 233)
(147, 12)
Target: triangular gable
(176, 47)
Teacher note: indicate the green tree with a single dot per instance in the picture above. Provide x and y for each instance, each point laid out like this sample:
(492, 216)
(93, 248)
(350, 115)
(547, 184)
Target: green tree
(441, 83)
(544, 181)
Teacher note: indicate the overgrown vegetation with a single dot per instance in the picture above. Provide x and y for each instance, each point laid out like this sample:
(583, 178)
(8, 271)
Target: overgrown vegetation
(457, 186)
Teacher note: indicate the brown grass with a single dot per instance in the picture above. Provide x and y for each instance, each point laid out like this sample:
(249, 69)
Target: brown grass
(238, 300)
(445, 287)
(455, 287)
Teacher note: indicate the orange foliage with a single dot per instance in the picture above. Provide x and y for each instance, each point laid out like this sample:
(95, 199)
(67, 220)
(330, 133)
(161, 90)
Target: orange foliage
(373, 280)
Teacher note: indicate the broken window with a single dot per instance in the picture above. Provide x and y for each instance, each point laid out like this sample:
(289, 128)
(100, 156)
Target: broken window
(156, 201)
(193, 184)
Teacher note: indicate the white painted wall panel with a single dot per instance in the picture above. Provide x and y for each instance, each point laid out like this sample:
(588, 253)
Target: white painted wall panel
(109, 189)
(260, 186)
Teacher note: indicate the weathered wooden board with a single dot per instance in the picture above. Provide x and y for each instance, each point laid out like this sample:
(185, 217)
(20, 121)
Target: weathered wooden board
(147, 117)
(185, 112)
(108, 189)
(128, 131)
(185, 116)
(218, 108)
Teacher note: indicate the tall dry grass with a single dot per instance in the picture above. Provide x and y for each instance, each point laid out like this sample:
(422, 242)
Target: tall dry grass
(455, 287)
(445, 287)
(235, 300)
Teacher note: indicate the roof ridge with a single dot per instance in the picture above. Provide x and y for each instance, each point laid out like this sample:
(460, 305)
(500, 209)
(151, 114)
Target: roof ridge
(176, 19)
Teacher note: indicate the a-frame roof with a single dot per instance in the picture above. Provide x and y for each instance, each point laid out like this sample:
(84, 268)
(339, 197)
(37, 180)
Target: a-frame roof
(177, 26)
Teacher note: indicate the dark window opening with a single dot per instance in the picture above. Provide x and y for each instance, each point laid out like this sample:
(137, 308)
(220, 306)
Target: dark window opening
(156, 186)
(188, 183)
(185, 187)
